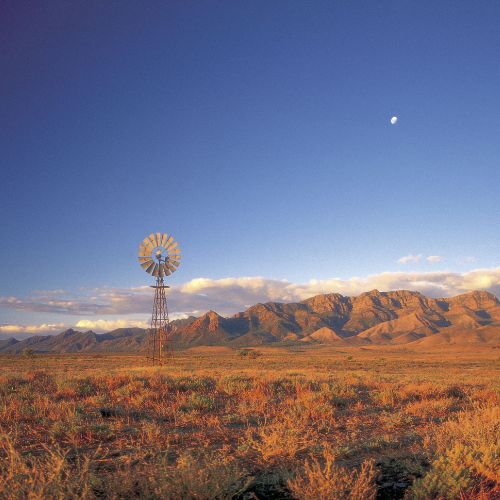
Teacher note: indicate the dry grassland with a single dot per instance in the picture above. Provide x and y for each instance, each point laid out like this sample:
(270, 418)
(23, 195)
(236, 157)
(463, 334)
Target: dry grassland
(325, 423)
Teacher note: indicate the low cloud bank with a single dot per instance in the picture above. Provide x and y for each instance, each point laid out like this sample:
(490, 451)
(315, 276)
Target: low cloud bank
(228, 296)
(109, 325)
(29, 330)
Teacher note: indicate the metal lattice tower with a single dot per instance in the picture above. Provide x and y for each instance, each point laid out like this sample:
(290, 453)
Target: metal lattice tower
(160, 342)
(167, 255)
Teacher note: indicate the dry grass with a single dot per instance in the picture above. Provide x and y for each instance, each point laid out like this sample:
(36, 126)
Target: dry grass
(334, 482)
(312, 424)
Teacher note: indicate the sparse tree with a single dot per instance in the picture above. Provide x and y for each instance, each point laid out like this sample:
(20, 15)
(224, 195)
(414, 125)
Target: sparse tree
(28, 353)
(254, 354)
(250, 353)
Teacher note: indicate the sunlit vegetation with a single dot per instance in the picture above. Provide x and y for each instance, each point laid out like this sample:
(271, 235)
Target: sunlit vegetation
(352, 424)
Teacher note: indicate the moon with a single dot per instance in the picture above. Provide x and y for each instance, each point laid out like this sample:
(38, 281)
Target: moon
(394, 119)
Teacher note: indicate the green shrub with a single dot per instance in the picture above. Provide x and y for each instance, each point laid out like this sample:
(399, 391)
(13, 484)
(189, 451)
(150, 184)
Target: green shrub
(28, 353)
(459, 471)
(199, 402)
(254, 354)
(250, 353)
(235, 384)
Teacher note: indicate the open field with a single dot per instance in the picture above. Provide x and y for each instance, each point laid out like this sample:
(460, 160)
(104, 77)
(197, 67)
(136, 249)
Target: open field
(350, 423)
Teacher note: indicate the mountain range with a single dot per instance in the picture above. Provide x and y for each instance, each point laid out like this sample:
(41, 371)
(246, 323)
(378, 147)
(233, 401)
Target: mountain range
(372, 318)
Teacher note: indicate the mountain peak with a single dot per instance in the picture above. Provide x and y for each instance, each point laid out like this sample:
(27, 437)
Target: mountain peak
(67, 333)
(475, 299)
(210, 320)
(481, 294)
(212, 314)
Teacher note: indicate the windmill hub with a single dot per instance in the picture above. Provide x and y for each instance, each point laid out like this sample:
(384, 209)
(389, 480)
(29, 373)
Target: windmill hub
(165, 245)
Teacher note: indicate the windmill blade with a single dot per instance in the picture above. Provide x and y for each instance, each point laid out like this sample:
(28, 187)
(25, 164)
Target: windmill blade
(143, 247)
(144, 259)
(158, 239)
(173, 247)
(164, 237)
(171, 267)
(169, 240)
(175, 254)
(155, 271)
(174, 262)
(146, 264)
(148, 243)
(167, 270)
(153, 239)
(151, 267)
(144, 253)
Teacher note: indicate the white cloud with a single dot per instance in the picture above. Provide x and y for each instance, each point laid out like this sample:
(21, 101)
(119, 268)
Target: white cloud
(33, 329)
(108, 325)
(414, 258)
(435, 258)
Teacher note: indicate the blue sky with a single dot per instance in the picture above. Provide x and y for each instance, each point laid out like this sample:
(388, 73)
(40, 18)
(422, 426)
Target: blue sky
(258, 134)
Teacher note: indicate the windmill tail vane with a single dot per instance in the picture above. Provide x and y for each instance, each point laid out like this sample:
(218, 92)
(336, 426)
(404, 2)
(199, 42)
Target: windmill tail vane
(159, 255)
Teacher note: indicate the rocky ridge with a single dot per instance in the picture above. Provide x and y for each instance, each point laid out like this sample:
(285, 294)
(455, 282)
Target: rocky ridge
(398, 317)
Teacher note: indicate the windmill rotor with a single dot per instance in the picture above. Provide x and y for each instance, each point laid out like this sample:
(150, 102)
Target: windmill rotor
(159, 255)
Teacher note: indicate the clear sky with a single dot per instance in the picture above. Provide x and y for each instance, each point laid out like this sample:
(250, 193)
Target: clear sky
(259, 135)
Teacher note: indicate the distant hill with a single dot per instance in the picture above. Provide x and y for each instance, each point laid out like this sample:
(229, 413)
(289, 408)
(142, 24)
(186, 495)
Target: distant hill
(8, 342)
(119, 340)
(395, 318)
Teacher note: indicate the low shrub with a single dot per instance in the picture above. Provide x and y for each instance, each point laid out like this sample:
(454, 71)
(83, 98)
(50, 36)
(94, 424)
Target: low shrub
(333, 482)
(250, 353)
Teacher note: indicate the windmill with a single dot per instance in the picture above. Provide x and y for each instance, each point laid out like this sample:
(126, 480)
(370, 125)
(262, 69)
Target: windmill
(159, 255)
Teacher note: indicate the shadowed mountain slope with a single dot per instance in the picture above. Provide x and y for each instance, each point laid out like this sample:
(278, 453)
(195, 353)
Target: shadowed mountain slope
(398, 317)
(8, 343)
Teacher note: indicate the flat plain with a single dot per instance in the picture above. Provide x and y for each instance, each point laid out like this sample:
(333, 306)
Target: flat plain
(304, 423)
